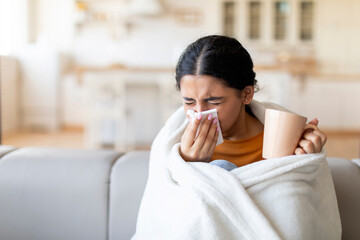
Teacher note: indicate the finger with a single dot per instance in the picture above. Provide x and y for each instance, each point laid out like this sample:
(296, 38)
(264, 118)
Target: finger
(203, 132)
(211, 136)
(299, 151)
(211, 150)
(307, 146)
(322, 136)
(190, 131)
(315, 140)
(314, 121)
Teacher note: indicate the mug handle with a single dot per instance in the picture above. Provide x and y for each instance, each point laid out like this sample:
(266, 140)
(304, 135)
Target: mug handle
(308, 126)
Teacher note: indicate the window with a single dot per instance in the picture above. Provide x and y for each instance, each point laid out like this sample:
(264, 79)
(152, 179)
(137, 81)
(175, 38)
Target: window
(12, 25)
(254, 20)
(6, 28)
(306, 20)
(282, 10)
(229, 15)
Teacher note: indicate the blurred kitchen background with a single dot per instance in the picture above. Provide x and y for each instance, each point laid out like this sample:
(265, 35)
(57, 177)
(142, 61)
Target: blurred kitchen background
(100, 73)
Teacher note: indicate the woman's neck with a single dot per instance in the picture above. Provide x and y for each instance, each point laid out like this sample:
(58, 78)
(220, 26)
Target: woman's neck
(245, 127)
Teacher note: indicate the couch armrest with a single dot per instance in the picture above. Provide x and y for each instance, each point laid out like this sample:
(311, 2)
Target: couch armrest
(346, 176)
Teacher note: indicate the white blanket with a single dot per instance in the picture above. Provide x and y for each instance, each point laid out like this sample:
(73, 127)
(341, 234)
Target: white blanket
(285, 198)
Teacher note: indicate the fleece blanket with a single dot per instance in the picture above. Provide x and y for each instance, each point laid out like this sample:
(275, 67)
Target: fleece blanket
(286, 198)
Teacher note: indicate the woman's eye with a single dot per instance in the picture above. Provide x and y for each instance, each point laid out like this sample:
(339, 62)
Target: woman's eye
(214, 103)
(188, 103)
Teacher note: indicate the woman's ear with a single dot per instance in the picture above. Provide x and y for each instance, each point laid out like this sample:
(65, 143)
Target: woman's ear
(248, 94)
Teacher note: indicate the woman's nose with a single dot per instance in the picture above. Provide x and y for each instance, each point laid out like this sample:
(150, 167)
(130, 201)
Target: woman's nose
(200, 108)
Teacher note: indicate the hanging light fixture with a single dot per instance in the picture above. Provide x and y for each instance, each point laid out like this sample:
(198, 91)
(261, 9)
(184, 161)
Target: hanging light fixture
(144, 8)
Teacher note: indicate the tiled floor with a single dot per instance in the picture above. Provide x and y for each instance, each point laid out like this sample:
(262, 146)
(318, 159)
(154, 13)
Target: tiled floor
(339, 144)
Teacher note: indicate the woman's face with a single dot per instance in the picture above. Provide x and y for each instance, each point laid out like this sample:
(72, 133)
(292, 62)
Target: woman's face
(201, 93)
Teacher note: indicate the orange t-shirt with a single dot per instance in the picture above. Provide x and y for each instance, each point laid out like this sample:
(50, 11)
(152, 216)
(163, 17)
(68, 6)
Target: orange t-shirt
(240, 152)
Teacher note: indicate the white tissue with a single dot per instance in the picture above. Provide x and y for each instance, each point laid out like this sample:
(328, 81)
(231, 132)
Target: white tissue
(192, 114)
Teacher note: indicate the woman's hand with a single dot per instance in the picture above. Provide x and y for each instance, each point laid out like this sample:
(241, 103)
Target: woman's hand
(202, 148)
(312, 141)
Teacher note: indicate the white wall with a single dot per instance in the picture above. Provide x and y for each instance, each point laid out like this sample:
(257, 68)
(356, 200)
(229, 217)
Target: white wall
(55, 22)
(13, 25)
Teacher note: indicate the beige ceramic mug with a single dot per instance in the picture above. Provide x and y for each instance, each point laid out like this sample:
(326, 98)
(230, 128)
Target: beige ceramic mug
(282, 132)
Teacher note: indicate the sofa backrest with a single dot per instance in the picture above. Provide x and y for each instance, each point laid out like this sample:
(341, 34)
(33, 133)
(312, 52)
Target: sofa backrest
(55, 194)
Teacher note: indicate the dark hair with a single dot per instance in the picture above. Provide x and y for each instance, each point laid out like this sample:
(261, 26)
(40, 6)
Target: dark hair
(218, 56)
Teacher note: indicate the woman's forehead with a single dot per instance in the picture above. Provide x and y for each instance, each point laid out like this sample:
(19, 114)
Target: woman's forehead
(203, 85)
(201, 81)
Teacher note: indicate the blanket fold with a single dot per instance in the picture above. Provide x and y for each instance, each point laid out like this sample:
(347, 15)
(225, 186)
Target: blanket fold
(286, 198)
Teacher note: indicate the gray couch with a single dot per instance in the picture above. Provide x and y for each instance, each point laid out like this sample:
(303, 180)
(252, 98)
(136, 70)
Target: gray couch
(63, 194)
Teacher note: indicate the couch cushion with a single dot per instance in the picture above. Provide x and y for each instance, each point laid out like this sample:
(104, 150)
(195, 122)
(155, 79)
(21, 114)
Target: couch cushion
(346, 176)
(54, 194)
(128, 180)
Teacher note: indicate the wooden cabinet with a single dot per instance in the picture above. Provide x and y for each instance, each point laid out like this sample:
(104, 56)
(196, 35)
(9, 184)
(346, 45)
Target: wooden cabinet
(335, 100)
(127, 108)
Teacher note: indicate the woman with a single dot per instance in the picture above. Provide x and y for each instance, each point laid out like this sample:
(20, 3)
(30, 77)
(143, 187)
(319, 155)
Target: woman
(217, 72)
(291, 197)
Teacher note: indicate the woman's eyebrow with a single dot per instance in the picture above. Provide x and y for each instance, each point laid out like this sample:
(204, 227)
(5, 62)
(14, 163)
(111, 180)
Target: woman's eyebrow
(188, 99)
(206, 99)
(214, 98)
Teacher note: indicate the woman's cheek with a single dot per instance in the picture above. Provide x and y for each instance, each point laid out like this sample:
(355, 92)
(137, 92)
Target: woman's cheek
(222, 121)
(225, 120)
(223, 126)
(186, 107)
